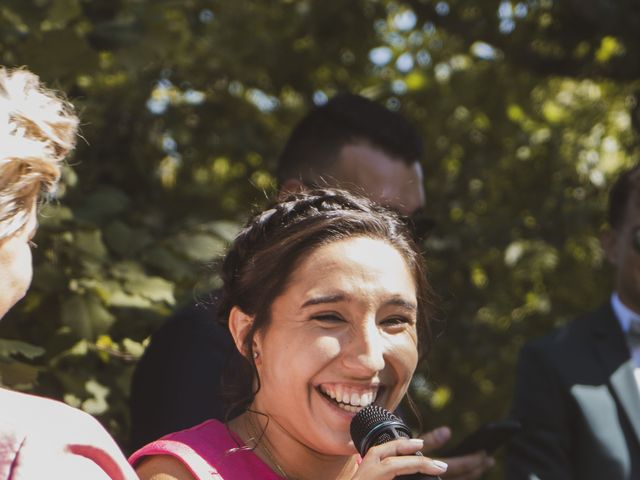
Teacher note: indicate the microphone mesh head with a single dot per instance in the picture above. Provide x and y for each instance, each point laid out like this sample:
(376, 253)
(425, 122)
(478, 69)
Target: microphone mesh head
(367, 420)
(374, 425)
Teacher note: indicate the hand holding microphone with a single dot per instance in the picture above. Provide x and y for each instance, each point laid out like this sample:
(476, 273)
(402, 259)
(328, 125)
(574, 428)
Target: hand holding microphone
(388, 450)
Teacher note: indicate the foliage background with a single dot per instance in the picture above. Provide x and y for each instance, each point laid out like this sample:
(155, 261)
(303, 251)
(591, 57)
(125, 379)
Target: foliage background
(528, 110)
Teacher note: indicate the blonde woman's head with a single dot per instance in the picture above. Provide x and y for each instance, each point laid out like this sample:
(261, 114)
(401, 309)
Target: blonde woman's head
(37, 131)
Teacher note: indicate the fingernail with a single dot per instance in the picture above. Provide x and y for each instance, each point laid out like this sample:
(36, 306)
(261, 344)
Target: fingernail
(441, 465)
(418, 442)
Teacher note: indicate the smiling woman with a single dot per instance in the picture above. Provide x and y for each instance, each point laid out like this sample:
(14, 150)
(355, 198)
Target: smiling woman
(326, 298)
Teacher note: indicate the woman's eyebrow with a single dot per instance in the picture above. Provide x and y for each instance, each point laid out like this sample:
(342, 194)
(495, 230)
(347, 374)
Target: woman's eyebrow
(401, 302)
(338, 297)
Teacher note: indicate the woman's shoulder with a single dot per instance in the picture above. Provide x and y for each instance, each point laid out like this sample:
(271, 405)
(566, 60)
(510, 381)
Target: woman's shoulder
(195, 449)
(30, 414)
(50, 436)
(163, 467)
(209, 450)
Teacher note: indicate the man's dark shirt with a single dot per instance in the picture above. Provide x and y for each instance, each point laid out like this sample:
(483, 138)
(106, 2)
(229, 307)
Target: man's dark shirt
(176, 384)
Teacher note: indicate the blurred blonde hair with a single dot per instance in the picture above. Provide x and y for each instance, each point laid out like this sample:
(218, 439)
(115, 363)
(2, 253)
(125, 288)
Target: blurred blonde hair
(37, 131)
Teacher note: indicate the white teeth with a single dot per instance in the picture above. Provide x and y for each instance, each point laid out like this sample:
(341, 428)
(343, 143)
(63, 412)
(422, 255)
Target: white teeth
(346, 398)
(340, 394)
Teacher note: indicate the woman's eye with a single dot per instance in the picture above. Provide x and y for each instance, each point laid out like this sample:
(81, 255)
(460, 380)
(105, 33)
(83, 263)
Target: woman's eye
(397, 321)
(328, 318)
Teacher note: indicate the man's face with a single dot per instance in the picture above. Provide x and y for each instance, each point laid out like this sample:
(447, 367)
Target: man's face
(386, 180)
(625, 257)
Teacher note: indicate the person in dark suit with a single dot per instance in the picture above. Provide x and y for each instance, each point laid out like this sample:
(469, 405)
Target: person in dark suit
(350, 142)
(578, 389)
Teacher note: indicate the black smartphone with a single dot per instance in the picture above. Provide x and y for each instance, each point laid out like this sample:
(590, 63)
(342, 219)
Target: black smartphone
(489, 437)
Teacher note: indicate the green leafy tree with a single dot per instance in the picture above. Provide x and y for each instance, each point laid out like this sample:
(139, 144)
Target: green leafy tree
(528, 110)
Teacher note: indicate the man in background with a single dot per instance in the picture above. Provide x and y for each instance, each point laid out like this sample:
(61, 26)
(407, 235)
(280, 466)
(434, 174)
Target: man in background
(349, 142)
(578, 389)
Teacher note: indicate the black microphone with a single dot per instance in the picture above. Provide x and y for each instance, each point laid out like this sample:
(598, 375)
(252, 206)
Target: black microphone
(374, 425)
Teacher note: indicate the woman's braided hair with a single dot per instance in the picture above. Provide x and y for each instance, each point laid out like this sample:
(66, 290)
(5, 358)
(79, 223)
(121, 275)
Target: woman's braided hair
(261, 259)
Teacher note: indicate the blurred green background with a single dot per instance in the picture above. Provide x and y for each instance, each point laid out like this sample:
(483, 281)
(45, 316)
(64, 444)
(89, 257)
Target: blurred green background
(528, 110)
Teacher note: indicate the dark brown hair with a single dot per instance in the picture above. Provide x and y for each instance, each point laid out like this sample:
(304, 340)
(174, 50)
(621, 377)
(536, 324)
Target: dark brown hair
(267, 250)
(620, 194)
(316, 141)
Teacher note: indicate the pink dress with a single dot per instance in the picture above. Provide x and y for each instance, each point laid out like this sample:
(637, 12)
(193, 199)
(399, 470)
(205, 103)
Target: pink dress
(210, 452)
(43, 438)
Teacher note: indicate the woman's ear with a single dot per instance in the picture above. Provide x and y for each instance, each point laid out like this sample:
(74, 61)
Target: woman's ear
(239, 325)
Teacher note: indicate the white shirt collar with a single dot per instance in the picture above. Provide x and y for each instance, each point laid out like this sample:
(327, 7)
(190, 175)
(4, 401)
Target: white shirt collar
(624, 313)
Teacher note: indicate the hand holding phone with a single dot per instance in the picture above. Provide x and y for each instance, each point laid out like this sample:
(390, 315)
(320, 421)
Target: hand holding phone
(489, 437)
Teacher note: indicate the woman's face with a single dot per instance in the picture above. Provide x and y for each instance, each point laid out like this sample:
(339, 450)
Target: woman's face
(342, 335)
(15, 265)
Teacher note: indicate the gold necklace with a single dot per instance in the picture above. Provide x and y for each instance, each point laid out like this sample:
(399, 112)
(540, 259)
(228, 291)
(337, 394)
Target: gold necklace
(260, 441)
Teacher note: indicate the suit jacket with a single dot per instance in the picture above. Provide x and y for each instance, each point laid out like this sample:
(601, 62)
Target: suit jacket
(579, 405)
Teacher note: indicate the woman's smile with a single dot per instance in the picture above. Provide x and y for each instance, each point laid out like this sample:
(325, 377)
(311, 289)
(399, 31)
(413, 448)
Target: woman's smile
(349, 398)
(349, 395)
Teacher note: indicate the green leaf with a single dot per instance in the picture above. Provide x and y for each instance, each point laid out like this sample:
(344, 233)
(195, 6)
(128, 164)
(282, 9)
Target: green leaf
(226, 230)
(127, 270)
(132, 347)
(54, 216)
(62, 12)
(9, 348)
(72, 53)
(125, 240)
(155, 289)
(112, 293)
(86, 316)
(170, 264)
(97, 403)
(123, 299)
(116, 34)
(49, 277)
(18, 375)
(106, 202)
(198, 247)
(90, 243)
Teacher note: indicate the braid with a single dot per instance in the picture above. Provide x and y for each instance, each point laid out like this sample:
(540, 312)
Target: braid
(284, 216)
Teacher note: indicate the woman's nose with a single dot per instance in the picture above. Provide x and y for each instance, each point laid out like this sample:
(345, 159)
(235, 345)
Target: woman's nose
(364, 351)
